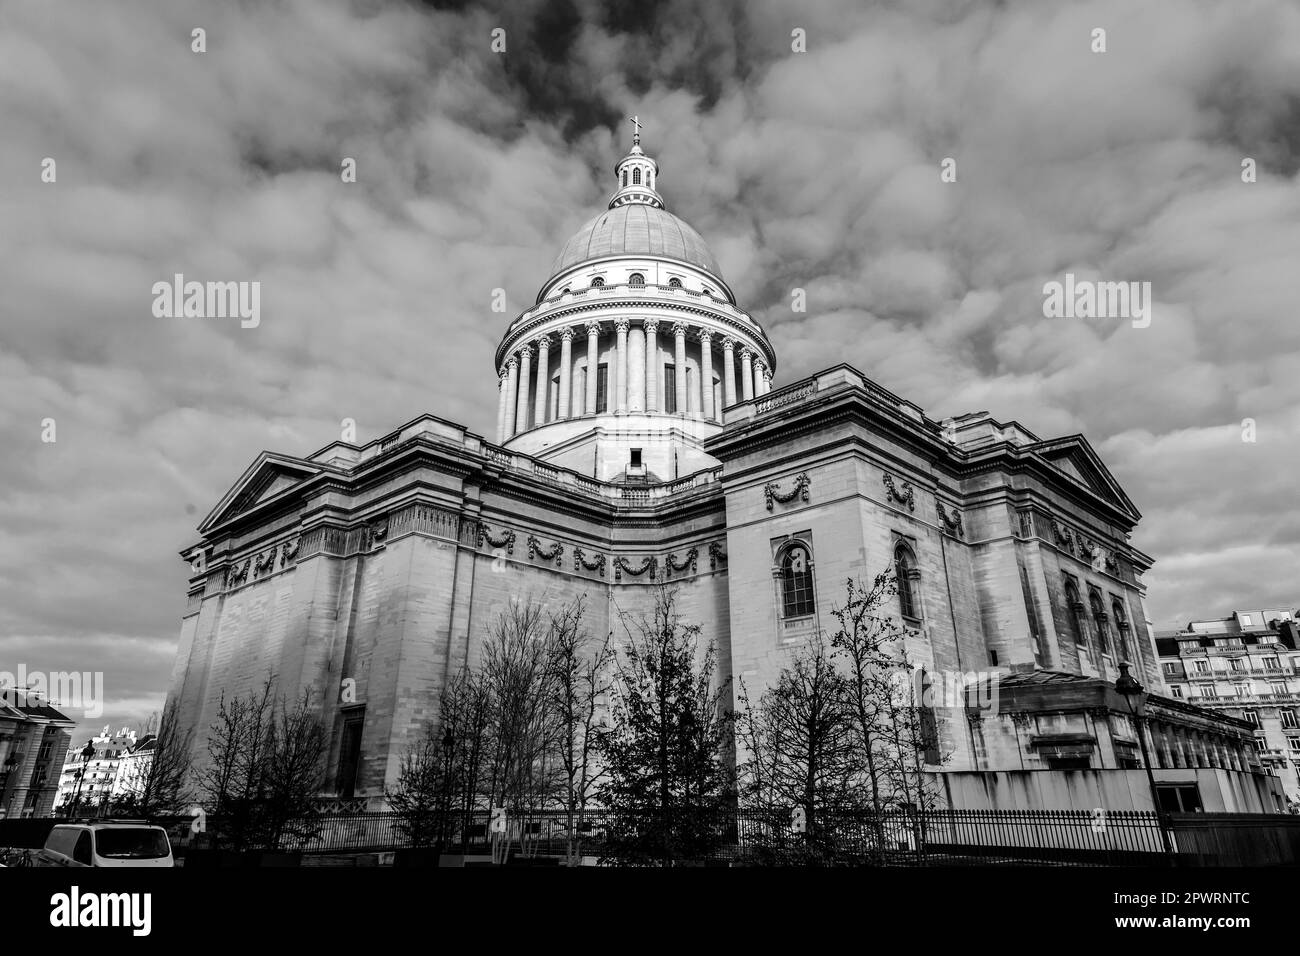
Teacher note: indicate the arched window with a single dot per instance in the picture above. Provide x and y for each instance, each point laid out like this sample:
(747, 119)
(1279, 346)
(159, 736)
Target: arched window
(1100, 620)
(597, 282)
(903, 571)
(636, 177)
(796, 582)
(1074, 607)
(1122, 625)
(707, 291)
(674, 283)
(636, 280)
(564, 291)
(625, 177)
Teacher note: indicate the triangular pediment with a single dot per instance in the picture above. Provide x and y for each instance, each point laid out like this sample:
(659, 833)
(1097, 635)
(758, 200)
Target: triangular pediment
(1074, 458)
(268, 477)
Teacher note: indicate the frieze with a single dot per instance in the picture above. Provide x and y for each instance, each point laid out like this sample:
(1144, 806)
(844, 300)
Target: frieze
(950, 524)
(716, 555)
(650, 564)
(905, 497)
(671, 564)
(1062, 536)
(263, 563)
(595, 564)
(554, 553)
(772, 491)
(505, 540)
(289, 551)
(237, 575)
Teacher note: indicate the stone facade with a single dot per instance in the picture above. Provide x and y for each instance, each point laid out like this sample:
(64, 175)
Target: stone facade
(372, 573)
(34, 740)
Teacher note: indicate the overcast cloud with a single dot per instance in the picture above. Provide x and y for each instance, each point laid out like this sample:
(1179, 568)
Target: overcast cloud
(816, 170)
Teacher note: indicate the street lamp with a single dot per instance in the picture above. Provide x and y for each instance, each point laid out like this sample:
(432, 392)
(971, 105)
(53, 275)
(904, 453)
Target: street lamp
(1132, 692)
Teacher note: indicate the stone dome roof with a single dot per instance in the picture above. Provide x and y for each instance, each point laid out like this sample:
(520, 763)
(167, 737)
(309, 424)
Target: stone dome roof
(636, 229)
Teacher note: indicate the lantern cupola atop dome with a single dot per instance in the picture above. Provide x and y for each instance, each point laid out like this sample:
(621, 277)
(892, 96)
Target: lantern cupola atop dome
(635, 175)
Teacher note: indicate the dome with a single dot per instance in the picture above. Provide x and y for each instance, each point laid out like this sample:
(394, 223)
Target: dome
(636, 229)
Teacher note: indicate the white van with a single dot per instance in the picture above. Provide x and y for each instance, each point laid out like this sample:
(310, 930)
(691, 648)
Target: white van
(105, 843)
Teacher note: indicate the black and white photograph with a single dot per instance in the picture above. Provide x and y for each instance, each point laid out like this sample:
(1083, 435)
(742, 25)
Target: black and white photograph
(701, 449)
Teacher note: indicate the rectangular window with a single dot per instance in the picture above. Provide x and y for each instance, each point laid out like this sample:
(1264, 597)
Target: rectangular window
(1271, 664)
(555, 400)
(350, 756)
(636, 458)
(1289, 720)
(1177, 691)
(1179, 798)
(1276, 687)
(1202, 666)
(1294, 744)
(1241, 690)
(1171, 667)
(670, 389)
(1250, 717)
(602, 388)
(1189, 646)
(1236, 664)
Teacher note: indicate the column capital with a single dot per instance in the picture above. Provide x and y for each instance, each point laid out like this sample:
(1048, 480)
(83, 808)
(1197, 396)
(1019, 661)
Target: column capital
(566, 334)
(746, 352)
(593, 328)
(728, 343)
(705, 336)
(504, 374)
(680, 328)
(525, 352)
(511, 363)
(543, 342)
(759, 365)
(651, 326)
(622, 325)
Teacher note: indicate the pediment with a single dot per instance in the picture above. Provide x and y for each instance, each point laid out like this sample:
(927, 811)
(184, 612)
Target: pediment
(268, 477)
(1074, 458)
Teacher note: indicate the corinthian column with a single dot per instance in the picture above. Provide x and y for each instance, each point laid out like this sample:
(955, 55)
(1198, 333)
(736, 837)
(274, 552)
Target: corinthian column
(621, 327)
(543, 380)
(503, 391)
(525, 364)
(679, 336)
(593, 357)
(566, 366)
(636, 369)
(651, 365)
(512, 395)
(728, 371)
(706, 374)
(746, 373)
(760, 375)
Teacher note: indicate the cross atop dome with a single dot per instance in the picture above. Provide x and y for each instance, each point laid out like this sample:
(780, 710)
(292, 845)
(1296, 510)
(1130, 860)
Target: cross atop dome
(636, 173)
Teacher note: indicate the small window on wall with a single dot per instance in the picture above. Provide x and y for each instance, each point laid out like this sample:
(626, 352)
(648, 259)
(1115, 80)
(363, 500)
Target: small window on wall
(636, 280)
(670, 389)
(796, 581)
(674, 283)
(1176, 690)
(597, 282)
(636, 177)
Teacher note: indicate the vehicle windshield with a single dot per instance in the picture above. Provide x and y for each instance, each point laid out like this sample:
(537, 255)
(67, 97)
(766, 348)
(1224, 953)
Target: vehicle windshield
(131, 843)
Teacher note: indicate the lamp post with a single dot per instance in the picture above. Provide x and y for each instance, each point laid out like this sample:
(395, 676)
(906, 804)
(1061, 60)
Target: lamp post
(1132, 692)
(86, 753)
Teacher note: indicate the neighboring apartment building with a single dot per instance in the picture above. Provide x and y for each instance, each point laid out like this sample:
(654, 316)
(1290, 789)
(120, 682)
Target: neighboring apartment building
(100, 770)
(33, 740)
(1247, 665)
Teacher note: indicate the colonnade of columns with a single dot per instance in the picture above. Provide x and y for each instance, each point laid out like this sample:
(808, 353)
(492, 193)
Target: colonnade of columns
(634, 375)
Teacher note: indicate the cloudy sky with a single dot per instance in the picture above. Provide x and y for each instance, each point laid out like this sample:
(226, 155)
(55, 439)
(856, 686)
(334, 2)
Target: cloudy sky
(816, 170)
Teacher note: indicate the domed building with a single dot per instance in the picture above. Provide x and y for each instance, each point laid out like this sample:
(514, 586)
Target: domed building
(640, 440)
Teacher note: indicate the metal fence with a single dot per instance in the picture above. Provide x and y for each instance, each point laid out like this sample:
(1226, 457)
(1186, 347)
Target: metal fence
(753, 837)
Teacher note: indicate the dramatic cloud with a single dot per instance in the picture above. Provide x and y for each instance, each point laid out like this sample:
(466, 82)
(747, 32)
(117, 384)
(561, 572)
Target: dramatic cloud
(815, 170)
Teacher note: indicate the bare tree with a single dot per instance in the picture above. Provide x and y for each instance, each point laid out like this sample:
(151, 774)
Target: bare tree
(578, 682)
(421, 789)
(805, 754)
(294, 773)
(160, 778)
